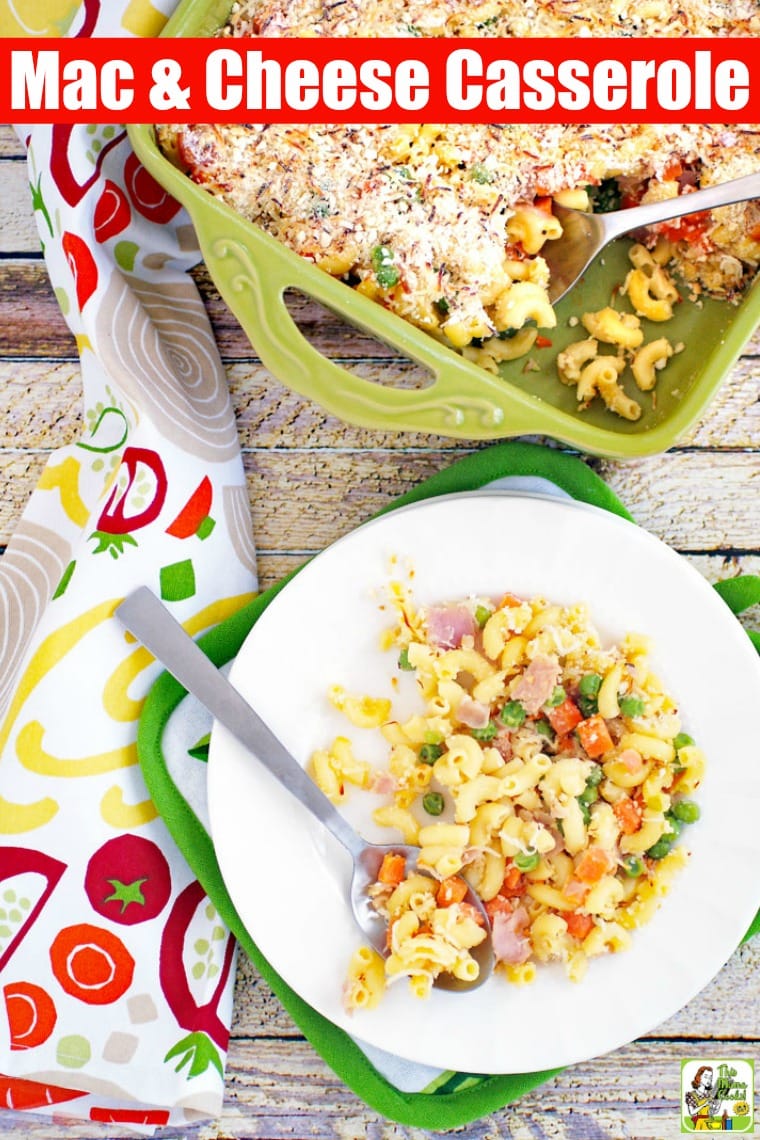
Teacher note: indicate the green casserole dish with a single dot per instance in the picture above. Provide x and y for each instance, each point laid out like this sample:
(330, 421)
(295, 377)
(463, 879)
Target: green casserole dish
(253, 271)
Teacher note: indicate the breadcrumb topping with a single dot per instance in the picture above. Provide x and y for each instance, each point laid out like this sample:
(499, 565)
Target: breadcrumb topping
(431, 204)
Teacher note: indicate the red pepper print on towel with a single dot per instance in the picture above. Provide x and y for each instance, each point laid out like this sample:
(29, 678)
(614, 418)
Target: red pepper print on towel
(177, 973)
(114, 527)
(68, 183)
(20, 912)
(195, 516)
(82, 265)
(112, 212)
(148, 198)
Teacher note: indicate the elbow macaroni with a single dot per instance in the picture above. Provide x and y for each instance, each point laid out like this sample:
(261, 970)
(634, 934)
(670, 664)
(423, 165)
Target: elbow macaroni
(563, 818)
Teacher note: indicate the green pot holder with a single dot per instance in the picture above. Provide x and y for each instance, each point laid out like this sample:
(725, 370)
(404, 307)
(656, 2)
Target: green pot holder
(450, 1099)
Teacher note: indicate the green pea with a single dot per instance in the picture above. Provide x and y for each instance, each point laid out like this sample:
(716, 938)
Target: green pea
(429, 753)
(486, 733)
(433, 803)
(527, 860)
(633, 866)
(666, 841)
(585, 811)
(589, 795)
(404, 662)
(482, 614)
(631, 706)
(686, 811)
(513, 714)
(588, 706)
(683, 740)
(589, 685)
(595, 776)
(557, 697)
(543, 728)
(660, 849)
(673, 829)
(385, 271)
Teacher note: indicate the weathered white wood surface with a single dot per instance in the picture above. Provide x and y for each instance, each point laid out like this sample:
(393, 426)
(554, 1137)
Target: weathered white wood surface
(312, 479)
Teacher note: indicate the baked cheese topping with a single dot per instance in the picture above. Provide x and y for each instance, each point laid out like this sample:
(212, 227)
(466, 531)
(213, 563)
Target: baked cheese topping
(430, 220)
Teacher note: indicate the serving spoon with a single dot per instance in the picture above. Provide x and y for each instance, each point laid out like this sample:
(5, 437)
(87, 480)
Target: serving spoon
(148, 619)
(585, 235)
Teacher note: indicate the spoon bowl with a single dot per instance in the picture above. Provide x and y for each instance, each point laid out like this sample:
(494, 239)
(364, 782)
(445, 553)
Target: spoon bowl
(148, 619)
(584, 235)
(375, 928)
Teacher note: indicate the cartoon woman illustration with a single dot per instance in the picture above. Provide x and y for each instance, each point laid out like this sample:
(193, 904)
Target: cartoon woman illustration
(702, 1103)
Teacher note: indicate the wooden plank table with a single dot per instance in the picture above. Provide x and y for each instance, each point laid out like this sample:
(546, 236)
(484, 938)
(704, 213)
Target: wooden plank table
(312, 479)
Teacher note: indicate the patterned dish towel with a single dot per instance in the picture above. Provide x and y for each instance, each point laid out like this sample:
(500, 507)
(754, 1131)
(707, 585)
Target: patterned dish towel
(115, 972)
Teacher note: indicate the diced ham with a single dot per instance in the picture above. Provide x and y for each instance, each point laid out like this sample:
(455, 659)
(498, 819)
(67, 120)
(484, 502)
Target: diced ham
(510, 942)
(630, 759)
(537, 683)
(384, 783)
(473, 713)
(502, 742)
(575, 890)
(448, 625)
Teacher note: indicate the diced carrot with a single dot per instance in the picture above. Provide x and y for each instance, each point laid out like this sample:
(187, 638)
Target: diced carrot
(628, 815)
(509, 600)
(578, 925)
(514, 883)
(564, 743)
(498, 905)
(451, 890)
(594, 736)
(542, 342)
(672, 171)
(593, 864)
(754, 233)
(392, 869)
(543, 203)
(564, 717)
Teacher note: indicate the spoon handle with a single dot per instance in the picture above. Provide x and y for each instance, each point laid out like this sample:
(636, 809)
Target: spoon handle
(149, 620)
(722, 194)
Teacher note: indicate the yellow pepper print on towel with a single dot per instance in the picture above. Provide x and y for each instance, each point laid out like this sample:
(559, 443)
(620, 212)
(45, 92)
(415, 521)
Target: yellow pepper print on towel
(64, 477)
(117, 813)
(34, 758)
(16, 818)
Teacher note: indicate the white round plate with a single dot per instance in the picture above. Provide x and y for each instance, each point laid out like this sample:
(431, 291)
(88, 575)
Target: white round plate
(289, 879)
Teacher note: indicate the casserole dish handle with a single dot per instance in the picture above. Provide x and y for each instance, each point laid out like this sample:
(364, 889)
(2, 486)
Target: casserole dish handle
(461, 400)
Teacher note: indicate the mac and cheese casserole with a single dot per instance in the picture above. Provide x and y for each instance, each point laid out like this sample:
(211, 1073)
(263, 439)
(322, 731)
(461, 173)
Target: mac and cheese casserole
(445, 225)
(546, 770)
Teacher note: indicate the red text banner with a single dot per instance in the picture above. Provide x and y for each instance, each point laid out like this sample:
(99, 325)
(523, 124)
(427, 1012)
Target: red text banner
(257, 80)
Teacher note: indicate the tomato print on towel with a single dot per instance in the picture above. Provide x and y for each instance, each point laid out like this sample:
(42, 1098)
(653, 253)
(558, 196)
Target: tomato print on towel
(115, 970)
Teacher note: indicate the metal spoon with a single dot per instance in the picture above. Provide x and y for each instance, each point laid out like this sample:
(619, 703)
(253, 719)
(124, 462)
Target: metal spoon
(585, 235)
(145, 616)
